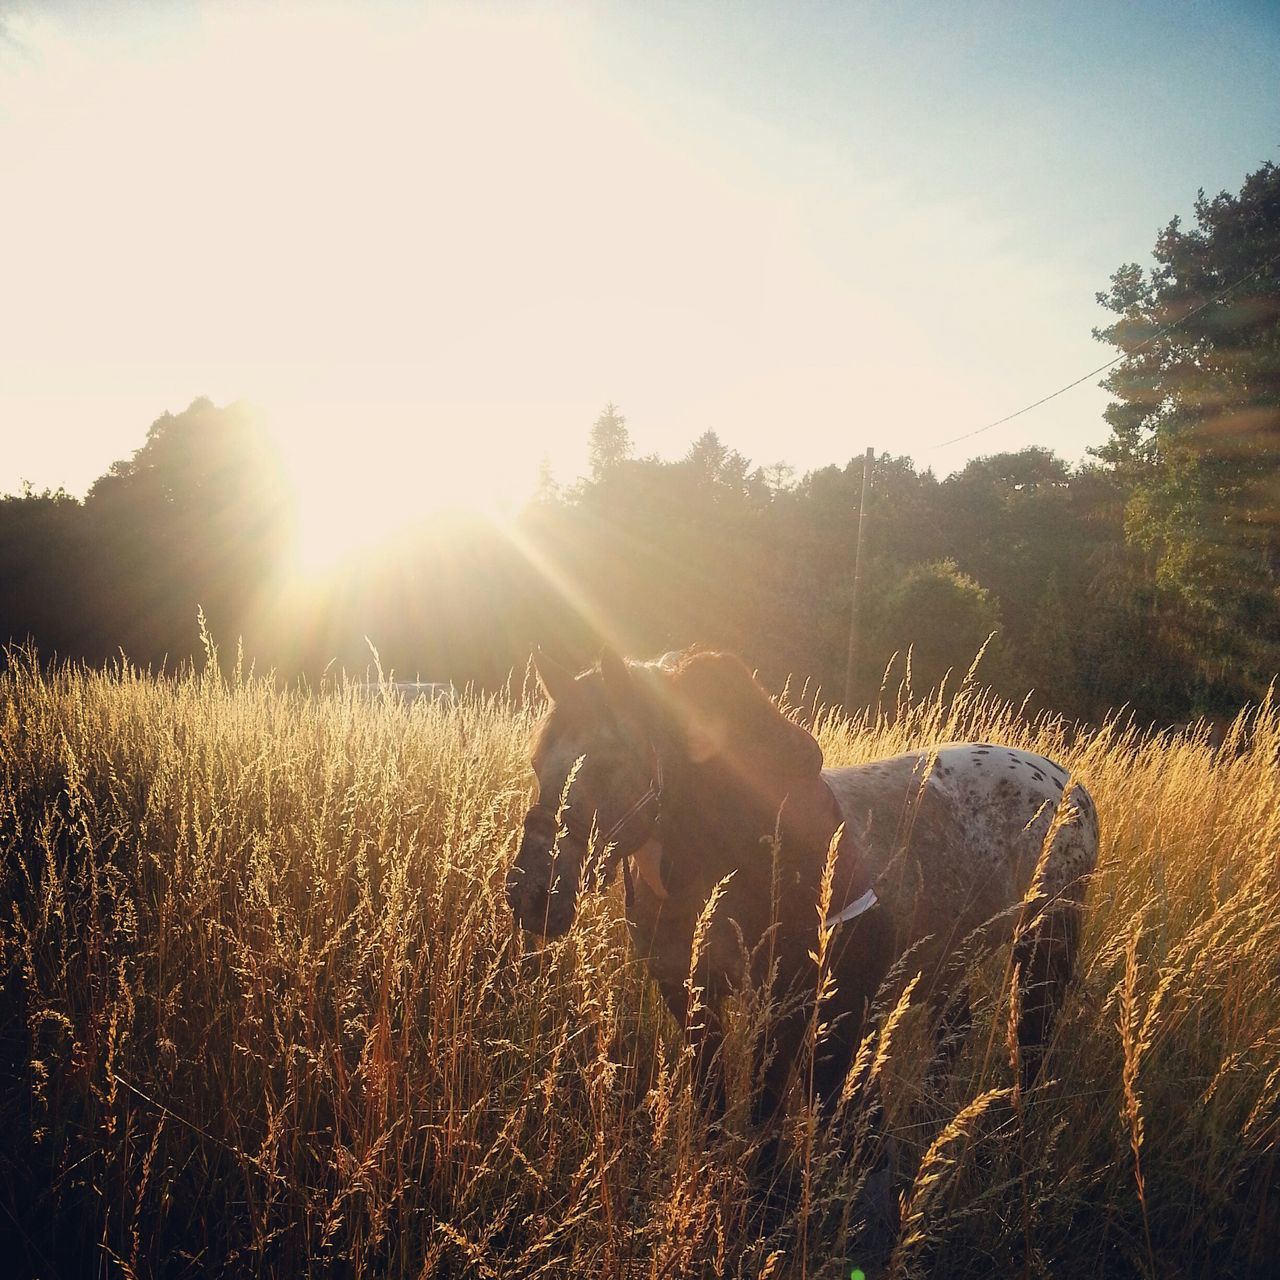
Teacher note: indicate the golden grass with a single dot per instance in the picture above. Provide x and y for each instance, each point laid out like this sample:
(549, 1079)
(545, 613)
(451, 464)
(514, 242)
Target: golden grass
(264, 1013)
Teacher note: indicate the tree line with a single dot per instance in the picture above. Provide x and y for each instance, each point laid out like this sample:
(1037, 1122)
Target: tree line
(1147, 576)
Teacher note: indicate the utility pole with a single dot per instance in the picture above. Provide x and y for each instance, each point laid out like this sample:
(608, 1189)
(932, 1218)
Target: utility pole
(851, 667)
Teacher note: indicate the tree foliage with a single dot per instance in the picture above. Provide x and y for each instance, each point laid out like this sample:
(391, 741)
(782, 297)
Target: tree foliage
(194, 519)
(610, 443)
(1196, 419)
(649, 556)
(950, 619)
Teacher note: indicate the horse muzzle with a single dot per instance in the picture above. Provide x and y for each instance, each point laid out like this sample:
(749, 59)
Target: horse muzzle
(542, 885)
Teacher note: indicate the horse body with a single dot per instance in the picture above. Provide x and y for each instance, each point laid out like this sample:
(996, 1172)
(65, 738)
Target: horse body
(950, 839)
(951, 836)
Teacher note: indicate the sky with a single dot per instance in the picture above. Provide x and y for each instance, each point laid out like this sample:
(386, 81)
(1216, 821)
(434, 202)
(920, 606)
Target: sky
(430, 242)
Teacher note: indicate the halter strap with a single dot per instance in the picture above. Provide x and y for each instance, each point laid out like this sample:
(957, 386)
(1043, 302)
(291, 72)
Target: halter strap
(568, 822)
(651, 796)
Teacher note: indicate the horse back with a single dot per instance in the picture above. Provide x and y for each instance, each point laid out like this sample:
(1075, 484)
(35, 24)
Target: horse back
(952, 835)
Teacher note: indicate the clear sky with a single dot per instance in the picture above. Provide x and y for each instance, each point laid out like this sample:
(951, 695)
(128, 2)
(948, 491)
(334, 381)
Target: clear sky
(432, 241)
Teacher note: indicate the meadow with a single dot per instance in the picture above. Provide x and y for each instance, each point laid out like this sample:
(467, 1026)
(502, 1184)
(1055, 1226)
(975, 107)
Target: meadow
(264, 1013)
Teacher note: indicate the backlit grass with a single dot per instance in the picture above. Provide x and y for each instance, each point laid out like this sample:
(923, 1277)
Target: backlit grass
(264, 1013)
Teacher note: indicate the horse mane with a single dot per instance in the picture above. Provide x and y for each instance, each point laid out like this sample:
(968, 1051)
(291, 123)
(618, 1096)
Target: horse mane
(760, 798)
(708, 684)
(761, 739)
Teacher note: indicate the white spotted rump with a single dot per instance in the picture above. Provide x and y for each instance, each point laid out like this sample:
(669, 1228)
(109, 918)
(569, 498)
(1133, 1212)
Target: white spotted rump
(952, 835)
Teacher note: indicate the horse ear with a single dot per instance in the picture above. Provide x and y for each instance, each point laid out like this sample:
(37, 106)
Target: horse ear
(556, 680)
(617, 679)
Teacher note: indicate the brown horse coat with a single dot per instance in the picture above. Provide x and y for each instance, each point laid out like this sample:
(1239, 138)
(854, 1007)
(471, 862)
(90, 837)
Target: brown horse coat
(951, 837)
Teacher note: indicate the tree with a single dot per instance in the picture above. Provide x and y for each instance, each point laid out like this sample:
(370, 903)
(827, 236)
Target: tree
(944, 617)
(706, 456)
(609, 443)
(1010, 523)
(547, 489)
(196, 517)
(1196, 419)
(44, 577)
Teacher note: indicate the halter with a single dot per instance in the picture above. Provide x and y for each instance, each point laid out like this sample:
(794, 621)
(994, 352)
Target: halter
(567, 823)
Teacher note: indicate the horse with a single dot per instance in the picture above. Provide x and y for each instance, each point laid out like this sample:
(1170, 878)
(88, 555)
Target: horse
(687, 776)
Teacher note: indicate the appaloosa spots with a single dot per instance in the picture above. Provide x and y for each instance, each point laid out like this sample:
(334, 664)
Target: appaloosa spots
(974, 826)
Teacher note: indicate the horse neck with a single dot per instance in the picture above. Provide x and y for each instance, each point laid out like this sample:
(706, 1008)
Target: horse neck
(710, 827)
(714, 816)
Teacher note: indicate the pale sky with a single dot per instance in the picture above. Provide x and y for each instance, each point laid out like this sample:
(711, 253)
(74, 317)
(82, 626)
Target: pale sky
(430, 242)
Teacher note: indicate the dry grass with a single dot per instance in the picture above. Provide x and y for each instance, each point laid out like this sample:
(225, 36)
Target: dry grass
(264, 1014)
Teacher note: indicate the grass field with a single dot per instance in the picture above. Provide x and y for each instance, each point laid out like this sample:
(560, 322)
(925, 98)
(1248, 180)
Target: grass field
(264, 1013)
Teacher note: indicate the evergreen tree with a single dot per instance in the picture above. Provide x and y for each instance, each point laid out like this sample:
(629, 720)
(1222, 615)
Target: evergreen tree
(1196, 419)
(609, 444)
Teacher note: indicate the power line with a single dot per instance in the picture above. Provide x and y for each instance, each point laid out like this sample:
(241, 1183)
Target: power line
(1102, 368)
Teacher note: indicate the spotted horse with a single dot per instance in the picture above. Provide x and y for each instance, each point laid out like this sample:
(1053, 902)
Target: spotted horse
(686, 775)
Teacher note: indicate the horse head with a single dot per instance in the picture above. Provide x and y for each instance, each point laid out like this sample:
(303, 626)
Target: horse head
(600, 757)
(598, 769)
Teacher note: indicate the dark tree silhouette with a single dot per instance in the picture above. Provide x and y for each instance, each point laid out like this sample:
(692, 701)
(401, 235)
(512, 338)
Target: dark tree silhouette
(194, 519)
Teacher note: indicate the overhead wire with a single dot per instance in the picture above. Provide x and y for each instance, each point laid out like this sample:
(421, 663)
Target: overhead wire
(1102, 368)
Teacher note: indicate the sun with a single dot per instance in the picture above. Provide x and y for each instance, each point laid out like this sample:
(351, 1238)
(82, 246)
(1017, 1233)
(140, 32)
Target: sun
(367, 492)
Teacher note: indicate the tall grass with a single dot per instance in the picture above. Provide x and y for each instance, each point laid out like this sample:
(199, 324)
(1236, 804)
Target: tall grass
(264, 1013)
